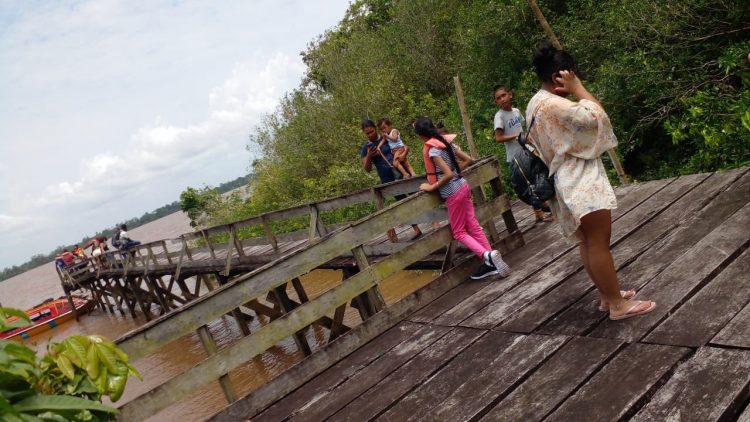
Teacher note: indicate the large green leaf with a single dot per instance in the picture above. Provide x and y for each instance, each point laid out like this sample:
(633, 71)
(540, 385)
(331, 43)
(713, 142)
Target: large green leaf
(107, 357)
(42, 402)
(65, 366)
(92, 362)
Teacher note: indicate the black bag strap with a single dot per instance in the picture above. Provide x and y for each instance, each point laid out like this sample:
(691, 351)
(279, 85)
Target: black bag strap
(523, 135)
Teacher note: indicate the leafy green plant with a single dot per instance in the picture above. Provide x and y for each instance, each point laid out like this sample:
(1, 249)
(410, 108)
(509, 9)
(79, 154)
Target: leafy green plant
(65, 385)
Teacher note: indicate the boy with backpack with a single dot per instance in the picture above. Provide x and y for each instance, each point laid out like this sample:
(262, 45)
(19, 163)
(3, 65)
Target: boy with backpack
(508, 125)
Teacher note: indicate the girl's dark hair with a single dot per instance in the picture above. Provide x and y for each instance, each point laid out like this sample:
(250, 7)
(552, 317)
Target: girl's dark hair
(384, 120)
(548, 60)
(424, 127)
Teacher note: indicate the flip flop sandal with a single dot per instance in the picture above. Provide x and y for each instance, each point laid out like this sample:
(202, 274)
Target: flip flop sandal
(626, 294)
(631, 313)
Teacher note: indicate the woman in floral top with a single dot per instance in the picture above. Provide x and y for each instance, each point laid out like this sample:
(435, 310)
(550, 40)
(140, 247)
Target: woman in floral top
(570, 137)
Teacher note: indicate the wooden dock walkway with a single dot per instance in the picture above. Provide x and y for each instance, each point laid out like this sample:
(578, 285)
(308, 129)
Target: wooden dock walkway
(534, 346)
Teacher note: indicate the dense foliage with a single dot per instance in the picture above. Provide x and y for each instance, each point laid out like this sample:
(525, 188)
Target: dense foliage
(673, 76)
(67, 384)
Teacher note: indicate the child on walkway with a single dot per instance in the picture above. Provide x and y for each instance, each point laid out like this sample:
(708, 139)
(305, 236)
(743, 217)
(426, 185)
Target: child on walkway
(508, 125)
(398, 148)
(444, 175)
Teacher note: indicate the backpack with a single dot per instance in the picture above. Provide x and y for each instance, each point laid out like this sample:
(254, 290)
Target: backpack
(116, 242)
(529, 176)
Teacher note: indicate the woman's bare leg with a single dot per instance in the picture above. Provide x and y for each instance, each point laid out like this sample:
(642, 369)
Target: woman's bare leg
(596, 229)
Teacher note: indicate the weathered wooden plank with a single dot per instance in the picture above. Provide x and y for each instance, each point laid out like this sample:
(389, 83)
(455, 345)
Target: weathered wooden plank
(344, 345)
(449, 299)
(737, 332)
(745, 416)
(711, 386)
(615, 389)
(510, 366)
(323, 406)
(549, 254)
(327, 380)
(554, 380)
(684, 275)
(696, 222)
(677, 201)
(400, 381)
(466, 366)
(706, 313)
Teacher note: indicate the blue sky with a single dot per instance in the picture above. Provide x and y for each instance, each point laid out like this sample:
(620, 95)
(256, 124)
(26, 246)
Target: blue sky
(109, 109)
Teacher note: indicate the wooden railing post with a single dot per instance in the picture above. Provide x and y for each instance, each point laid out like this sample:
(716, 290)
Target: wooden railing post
(269, 233)
(209, 345)
(373, 298)
(317, 228)
(237, 241)
(286, 306)
(230, 246)
(379, 205)
(508, 218)
(208, 244)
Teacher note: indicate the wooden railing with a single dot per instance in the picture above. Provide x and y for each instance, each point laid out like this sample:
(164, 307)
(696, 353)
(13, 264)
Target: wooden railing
(196, 315)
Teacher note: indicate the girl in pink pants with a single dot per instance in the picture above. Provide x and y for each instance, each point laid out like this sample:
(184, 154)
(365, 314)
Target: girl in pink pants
(444, 175)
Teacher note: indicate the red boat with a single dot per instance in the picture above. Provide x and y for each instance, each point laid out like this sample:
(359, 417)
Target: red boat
(46, 316)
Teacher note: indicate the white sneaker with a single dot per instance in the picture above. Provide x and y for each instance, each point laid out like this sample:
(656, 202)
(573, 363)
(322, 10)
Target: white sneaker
(502, 268)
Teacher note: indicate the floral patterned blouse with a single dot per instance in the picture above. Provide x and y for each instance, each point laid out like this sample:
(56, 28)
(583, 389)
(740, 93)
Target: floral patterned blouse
(571, 136)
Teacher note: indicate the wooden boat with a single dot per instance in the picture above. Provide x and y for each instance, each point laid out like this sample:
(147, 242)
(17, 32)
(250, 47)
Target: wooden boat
(46, 316)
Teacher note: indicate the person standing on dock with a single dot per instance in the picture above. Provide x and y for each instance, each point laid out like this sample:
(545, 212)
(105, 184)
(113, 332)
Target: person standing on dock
(508, 125)
(571, 136)
(381, 158)
(444, 175)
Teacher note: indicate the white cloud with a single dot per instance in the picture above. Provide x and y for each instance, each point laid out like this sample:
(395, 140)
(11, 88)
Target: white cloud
(165, 150)
(110, 108)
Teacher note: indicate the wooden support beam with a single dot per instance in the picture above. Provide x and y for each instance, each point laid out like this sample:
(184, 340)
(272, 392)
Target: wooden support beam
(237, 241)
(450, 255)
(286, 306)
(338, 322)
(377, 196)
(269, 233)
(166, 252)
(301, 294)
(230, 247)
(209, 345)
(208, 244)
(373, 298)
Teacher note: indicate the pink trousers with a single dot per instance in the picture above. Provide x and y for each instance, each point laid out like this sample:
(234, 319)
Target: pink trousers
(464, 224)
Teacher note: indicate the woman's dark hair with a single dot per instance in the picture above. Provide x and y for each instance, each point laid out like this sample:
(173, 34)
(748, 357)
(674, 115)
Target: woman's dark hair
(368, 123)
(548, 60)
(424, 127)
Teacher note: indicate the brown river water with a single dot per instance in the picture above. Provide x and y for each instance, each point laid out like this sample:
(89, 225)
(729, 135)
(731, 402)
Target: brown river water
(32, 287)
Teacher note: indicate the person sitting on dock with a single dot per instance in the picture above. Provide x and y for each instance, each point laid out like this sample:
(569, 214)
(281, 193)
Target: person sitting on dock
(122, 240)
(66, 258)
(79, 252)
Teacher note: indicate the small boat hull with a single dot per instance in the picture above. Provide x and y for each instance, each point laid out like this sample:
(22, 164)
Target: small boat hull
(47, 316)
